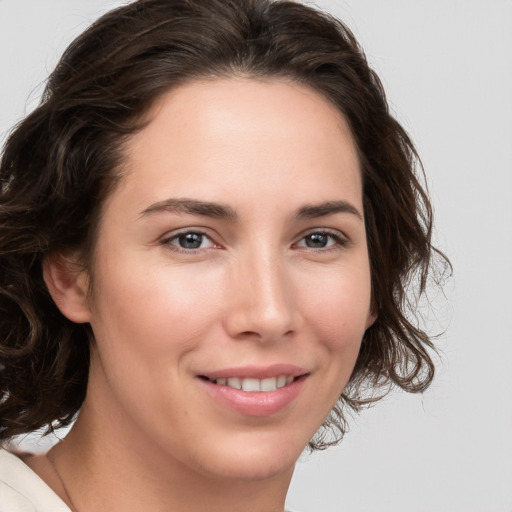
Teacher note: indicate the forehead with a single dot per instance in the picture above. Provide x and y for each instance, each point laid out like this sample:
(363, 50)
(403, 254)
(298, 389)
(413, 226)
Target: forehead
(283, 108)
(256, 137)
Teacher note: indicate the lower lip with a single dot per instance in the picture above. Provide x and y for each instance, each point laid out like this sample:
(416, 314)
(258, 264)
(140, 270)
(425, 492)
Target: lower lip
(256, 403)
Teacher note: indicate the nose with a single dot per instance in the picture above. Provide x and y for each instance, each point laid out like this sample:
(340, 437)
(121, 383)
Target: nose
(262, 304)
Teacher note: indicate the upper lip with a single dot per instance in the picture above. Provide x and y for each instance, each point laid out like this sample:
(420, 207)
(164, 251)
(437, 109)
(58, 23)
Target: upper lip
(257, 372)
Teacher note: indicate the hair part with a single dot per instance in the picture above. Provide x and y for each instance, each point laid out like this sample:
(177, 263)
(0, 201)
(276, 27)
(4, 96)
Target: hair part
(65, 158)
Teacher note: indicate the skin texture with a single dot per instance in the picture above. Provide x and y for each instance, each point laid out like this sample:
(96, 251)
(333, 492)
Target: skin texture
(150, 436)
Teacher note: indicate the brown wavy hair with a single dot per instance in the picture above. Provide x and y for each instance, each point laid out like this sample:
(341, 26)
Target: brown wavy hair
(62, 160)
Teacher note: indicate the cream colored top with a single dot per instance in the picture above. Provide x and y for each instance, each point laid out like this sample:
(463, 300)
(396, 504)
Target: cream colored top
(21, 490)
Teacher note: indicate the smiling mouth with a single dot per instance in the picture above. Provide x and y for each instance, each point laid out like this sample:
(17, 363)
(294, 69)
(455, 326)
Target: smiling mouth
(255, 385)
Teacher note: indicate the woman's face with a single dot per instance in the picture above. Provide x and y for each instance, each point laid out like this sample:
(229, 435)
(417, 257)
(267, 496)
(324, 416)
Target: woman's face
(232, 253)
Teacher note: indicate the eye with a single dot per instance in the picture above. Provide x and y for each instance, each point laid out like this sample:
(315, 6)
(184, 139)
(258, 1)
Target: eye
(189, 241)
(321, 240)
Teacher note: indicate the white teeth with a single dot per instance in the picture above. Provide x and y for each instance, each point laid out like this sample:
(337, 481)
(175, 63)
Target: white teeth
(252, 385)
(269, 384)
(235, 382)
(281, 381)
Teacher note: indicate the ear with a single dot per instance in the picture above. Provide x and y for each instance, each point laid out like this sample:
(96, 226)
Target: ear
(370, 320)
(68, 284)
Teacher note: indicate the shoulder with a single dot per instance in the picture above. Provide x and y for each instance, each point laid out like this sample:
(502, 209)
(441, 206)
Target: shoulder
(21, 490)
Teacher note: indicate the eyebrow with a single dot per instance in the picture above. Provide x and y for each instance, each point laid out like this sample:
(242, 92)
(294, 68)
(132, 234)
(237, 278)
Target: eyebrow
(193, 207)
(220, 211)
(328, 208)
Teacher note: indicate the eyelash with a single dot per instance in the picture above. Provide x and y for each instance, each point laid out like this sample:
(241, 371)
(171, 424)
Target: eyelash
(339, 241)
(167, 241)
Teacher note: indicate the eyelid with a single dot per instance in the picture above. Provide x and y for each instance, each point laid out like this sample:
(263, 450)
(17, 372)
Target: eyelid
(342, 240)
(172, 235)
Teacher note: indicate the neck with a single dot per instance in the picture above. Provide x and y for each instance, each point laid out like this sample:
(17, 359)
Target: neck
(120, 471)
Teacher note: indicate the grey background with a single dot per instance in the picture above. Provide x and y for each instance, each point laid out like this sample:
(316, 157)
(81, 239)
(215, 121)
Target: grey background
(446, 66)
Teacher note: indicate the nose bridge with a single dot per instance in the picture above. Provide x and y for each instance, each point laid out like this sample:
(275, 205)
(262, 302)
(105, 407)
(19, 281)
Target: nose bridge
(263, 304)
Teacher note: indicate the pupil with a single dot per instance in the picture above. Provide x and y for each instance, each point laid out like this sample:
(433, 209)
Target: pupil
(191, 240)
(316, 240)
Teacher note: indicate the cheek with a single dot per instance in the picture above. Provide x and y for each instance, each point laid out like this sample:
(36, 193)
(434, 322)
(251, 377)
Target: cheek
(338, 312)
(153, 309)
(148, 325)
(339, 307)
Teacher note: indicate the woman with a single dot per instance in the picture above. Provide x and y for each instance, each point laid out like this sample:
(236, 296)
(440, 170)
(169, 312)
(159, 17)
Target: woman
(207, 227)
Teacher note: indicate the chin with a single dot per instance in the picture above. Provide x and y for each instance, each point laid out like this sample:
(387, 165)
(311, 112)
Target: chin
(253, 470)
(257, 462)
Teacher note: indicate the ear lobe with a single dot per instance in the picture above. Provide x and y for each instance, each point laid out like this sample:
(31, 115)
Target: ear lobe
(370, 320)
(68, 285)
